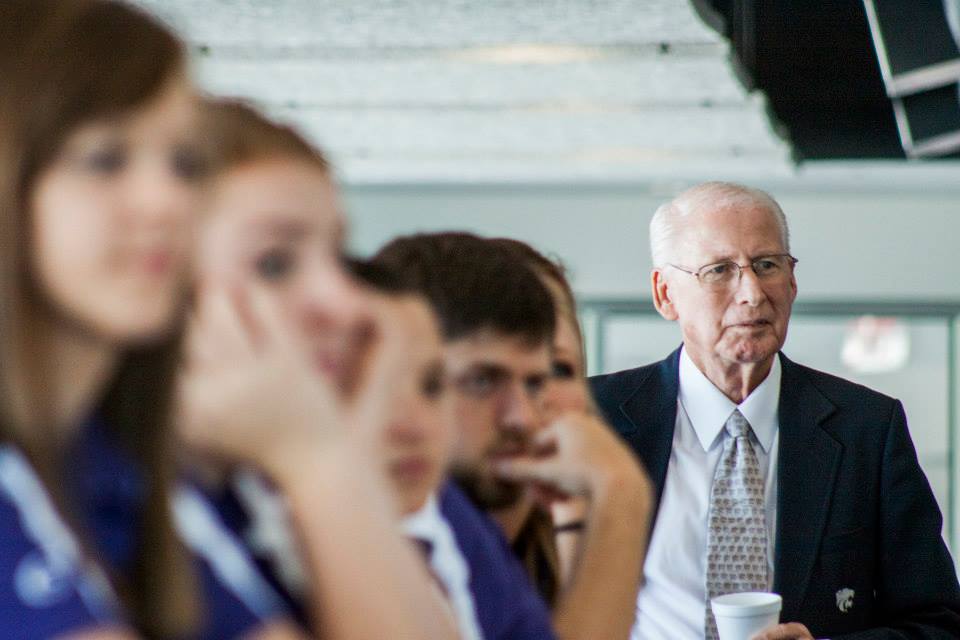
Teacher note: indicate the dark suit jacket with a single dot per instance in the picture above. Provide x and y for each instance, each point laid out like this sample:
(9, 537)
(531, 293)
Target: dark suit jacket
(854, 511)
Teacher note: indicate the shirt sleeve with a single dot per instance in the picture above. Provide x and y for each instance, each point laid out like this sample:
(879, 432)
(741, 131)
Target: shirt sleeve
(46, 587)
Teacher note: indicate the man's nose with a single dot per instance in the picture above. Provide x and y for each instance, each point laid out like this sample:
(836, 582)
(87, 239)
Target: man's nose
(749, 289)
(521, 411)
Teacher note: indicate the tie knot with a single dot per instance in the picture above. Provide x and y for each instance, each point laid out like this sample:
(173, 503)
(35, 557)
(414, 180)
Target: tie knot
(737, 425)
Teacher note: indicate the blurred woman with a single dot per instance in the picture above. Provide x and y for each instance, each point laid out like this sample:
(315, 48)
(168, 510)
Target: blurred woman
(98, 181)
(294, 370)
(601, 520)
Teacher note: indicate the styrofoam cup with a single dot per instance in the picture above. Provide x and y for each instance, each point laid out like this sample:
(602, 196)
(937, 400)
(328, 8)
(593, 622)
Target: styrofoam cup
(740, 615)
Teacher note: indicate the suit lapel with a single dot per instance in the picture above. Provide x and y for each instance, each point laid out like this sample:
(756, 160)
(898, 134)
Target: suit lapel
(807, 467)
(652, 409)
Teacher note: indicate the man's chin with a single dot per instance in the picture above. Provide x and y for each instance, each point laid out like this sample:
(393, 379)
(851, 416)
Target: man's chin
(487, 493)
(755, 352)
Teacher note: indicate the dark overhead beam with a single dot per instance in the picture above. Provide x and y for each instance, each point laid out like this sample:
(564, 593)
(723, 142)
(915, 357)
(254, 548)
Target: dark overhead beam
(814, 61)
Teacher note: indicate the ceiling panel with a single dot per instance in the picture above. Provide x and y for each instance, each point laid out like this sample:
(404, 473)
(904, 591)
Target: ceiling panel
(372, 24)
(617, 81)
(537, 132)
(407, 90)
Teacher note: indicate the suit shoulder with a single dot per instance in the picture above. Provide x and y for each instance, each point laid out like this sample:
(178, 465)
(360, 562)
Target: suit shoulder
(846, 393)
(618, 385)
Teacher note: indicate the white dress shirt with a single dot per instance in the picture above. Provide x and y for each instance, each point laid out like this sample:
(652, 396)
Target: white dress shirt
(672, 602)
(448, 564)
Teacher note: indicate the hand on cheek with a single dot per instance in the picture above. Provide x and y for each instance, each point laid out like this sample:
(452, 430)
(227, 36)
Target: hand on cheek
(246, 391)
(578, 455)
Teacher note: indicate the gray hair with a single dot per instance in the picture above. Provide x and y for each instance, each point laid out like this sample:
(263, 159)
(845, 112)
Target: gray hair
(669, 217)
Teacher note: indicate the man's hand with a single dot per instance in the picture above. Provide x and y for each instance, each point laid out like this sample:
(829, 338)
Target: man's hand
(577, 455)
(579, 459)
(788, 631)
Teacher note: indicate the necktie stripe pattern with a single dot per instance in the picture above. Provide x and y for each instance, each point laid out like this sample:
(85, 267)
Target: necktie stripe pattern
(736, 525)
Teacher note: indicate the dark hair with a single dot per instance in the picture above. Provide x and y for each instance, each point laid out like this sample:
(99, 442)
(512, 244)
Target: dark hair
(553, 272)
(377, 276)
(64, 63)
(473, 284)
(236, 133)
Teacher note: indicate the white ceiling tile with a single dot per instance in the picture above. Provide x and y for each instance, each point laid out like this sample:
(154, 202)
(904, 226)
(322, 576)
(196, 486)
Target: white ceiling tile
(637, 81)
(492, 89)
(433, 23)
(734, 131)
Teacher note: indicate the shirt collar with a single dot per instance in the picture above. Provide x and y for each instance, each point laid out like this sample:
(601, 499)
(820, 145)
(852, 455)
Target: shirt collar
(423, 523)
(708, 409)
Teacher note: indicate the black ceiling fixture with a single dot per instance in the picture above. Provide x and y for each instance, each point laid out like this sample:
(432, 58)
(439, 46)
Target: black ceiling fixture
(815, 60)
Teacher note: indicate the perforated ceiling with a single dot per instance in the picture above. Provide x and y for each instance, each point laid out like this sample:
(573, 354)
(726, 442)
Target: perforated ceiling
(552, 90)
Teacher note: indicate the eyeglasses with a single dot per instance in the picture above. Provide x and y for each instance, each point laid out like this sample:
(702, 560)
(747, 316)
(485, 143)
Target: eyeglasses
(723, 274)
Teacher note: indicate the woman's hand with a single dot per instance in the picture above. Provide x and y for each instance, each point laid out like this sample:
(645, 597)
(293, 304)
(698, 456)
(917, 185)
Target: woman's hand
(246, 392)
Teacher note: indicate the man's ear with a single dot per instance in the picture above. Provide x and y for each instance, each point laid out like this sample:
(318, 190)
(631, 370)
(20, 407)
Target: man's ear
(661, 295)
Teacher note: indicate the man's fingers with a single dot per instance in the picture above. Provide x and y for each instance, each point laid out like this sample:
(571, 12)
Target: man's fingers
(544, 441)
(546, 496)
(788, 631)
(525, 469)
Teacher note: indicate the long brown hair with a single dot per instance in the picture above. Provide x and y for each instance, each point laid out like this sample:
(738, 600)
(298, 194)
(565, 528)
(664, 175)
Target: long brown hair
(64, 63)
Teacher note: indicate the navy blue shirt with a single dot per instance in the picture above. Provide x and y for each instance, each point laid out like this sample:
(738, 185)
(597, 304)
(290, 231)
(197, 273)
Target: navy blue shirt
(508, 607)
(47, 588)
(269, 555)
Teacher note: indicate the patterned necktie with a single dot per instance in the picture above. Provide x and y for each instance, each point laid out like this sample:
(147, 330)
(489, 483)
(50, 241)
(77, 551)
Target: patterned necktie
(736, 525)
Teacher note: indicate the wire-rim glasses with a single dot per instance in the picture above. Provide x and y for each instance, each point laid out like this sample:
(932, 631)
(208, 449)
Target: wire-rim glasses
(720, 274)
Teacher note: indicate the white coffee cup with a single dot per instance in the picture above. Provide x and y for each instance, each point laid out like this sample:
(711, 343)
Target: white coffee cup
(740, 615)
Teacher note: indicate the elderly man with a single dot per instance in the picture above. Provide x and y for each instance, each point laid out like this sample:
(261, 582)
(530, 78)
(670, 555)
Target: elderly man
(769, 475)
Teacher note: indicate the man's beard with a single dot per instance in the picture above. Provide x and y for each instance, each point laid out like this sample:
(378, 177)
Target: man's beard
(477, 480)
(485, 491)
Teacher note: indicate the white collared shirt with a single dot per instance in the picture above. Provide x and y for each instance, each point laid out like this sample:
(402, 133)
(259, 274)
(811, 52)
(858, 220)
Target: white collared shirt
(447, 563)
(672, 601)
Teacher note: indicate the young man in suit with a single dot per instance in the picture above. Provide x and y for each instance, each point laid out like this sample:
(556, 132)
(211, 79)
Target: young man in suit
(769, 475)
